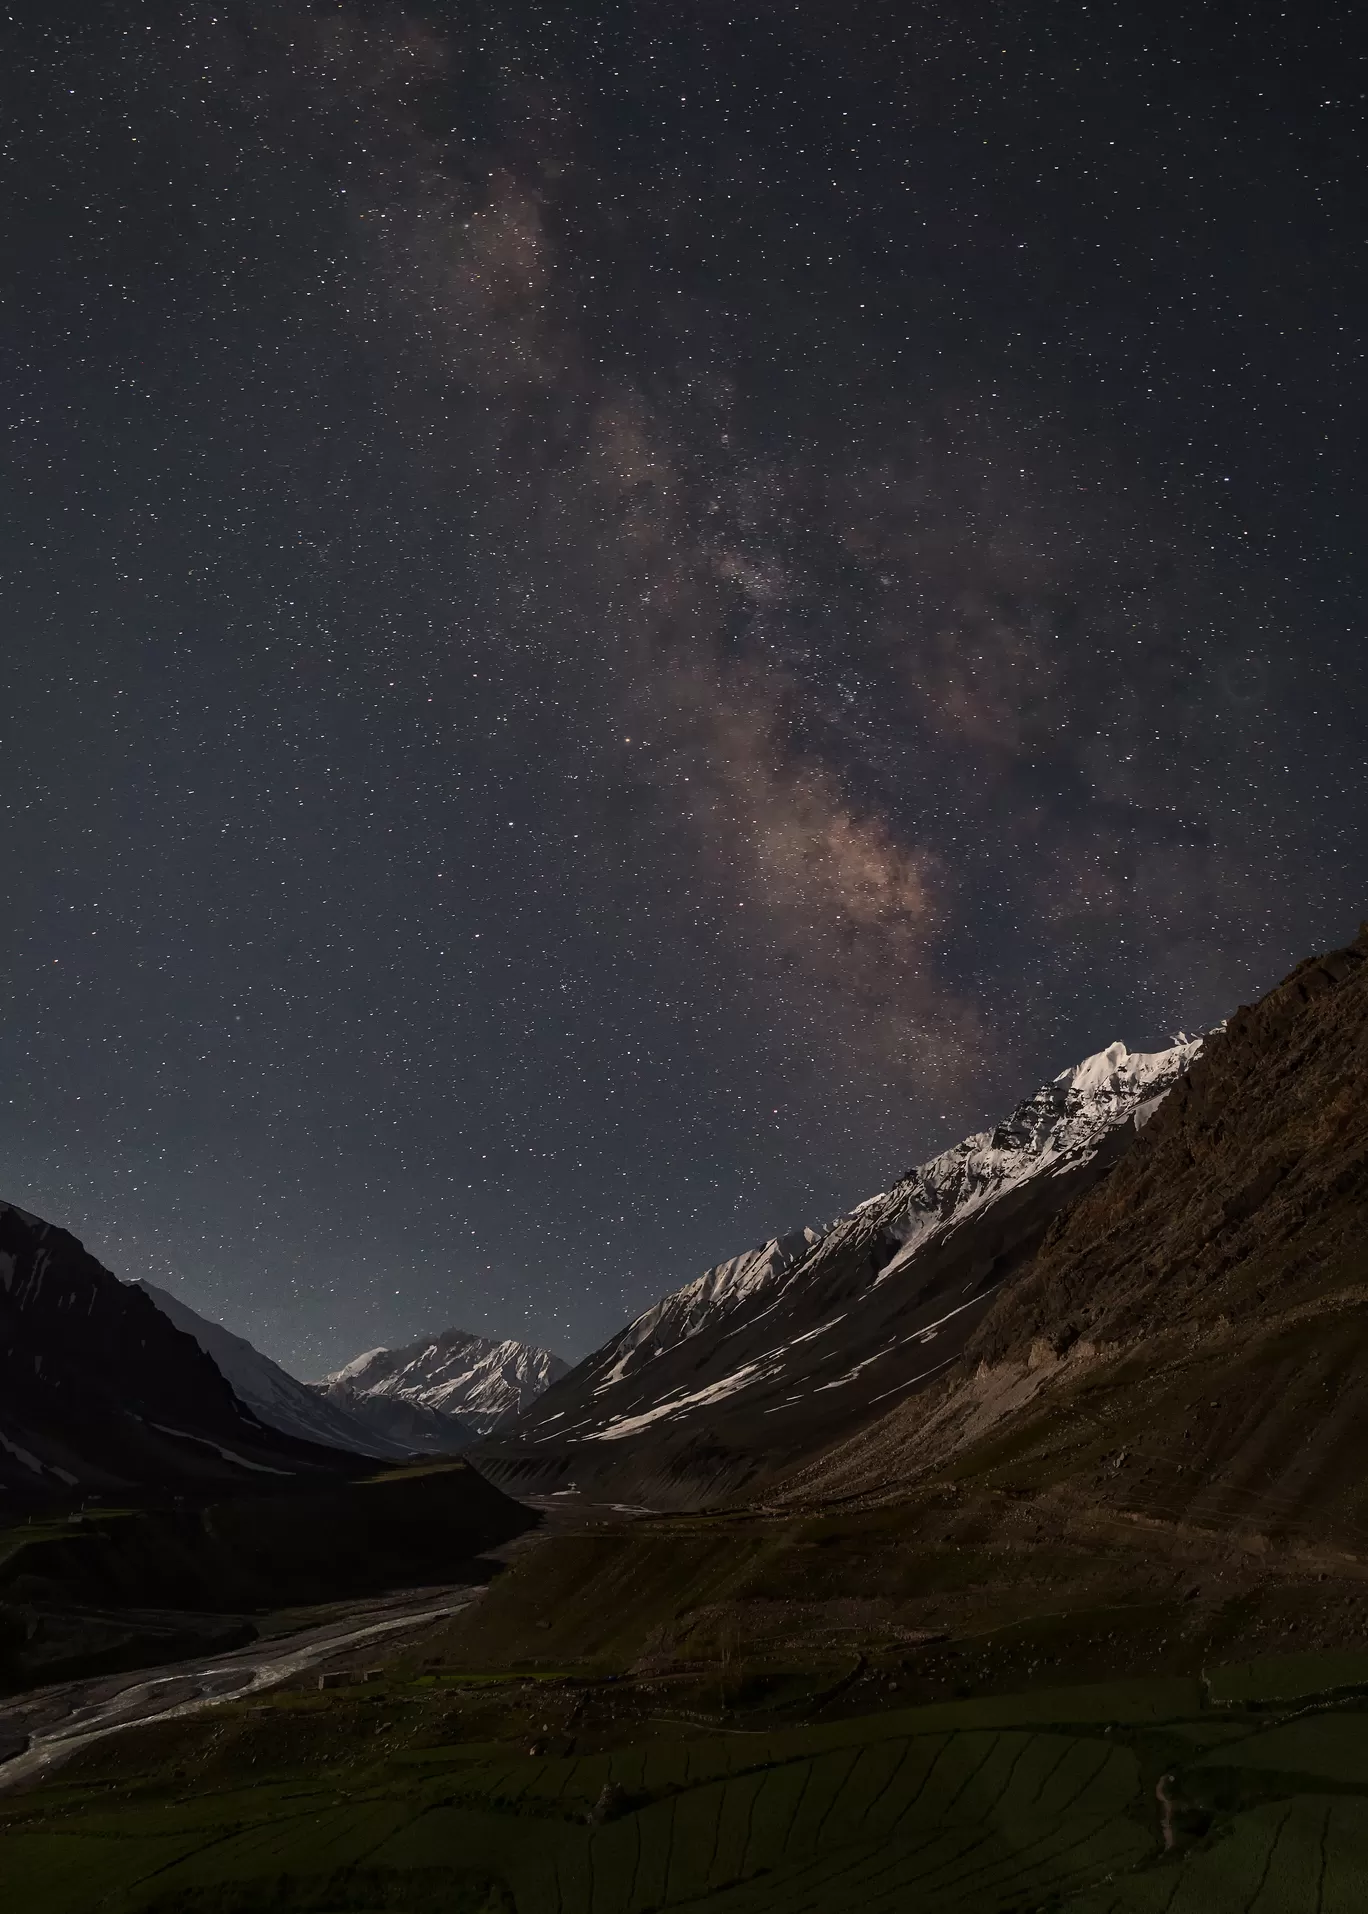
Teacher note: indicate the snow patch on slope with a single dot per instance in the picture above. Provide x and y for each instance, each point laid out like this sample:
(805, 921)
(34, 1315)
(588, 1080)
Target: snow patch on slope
(1060, 1126)
(1050, 1133)
(685, 1311)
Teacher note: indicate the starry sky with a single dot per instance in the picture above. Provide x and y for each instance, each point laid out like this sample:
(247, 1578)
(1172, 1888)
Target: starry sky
(619, 620)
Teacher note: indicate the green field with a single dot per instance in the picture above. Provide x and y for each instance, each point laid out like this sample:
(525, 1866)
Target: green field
(1103, 1799)
(827, 1818)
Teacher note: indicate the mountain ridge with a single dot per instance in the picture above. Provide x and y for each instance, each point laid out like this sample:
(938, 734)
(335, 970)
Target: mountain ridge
(755, 1338)
(1232, 1241)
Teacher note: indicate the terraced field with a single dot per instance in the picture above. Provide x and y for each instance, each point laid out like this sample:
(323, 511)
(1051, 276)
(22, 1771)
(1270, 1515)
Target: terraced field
(864, 1816)
(1102, 1800)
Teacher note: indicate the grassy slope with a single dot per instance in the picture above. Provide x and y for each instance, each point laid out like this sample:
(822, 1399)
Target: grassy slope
(1203, 1501)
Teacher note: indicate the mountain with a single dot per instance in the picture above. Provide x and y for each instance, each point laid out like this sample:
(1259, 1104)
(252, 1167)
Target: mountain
(459, 1375)
(403, 1425)
(297, 1410)
(1190, 1344)
(100, 1392)
(1251, 1190)
(777, 1353)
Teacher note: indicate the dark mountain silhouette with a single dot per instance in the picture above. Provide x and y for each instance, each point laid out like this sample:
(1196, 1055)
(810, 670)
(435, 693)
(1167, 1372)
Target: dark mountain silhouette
(101, 1393)
(391, 1431)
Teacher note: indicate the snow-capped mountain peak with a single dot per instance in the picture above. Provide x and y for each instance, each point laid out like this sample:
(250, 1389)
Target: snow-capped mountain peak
(1055, 1129)
(1058, 1127)
(358, 1364)
(456, 1373)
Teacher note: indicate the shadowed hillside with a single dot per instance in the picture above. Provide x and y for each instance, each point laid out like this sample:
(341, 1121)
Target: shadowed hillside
(1246, 1194)
(101, 1394)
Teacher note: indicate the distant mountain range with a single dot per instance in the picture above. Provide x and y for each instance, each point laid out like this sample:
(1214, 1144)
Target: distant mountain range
(297, 1409)
(434, 1396)
(484, 1384)
(406, 1427)
(777, 1353)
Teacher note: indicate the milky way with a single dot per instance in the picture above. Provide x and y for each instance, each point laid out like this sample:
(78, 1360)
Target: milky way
(621, 621)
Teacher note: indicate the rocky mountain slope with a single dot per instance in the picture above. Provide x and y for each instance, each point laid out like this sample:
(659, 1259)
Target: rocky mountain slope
(281, 1402)
(1251, 1184)
(1190, 1341)
(480, 1383)
(778, 1352)
(100, 1392)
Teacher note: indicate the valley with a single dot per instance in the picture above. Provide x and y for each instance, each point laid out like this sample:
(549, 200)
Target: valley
(951, 1696)
(1078, 1622)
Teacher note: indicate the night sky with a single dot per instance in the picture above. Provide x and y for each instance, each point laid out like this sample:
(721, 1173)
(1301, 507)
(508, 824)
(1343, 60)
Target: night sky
(620, 620)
